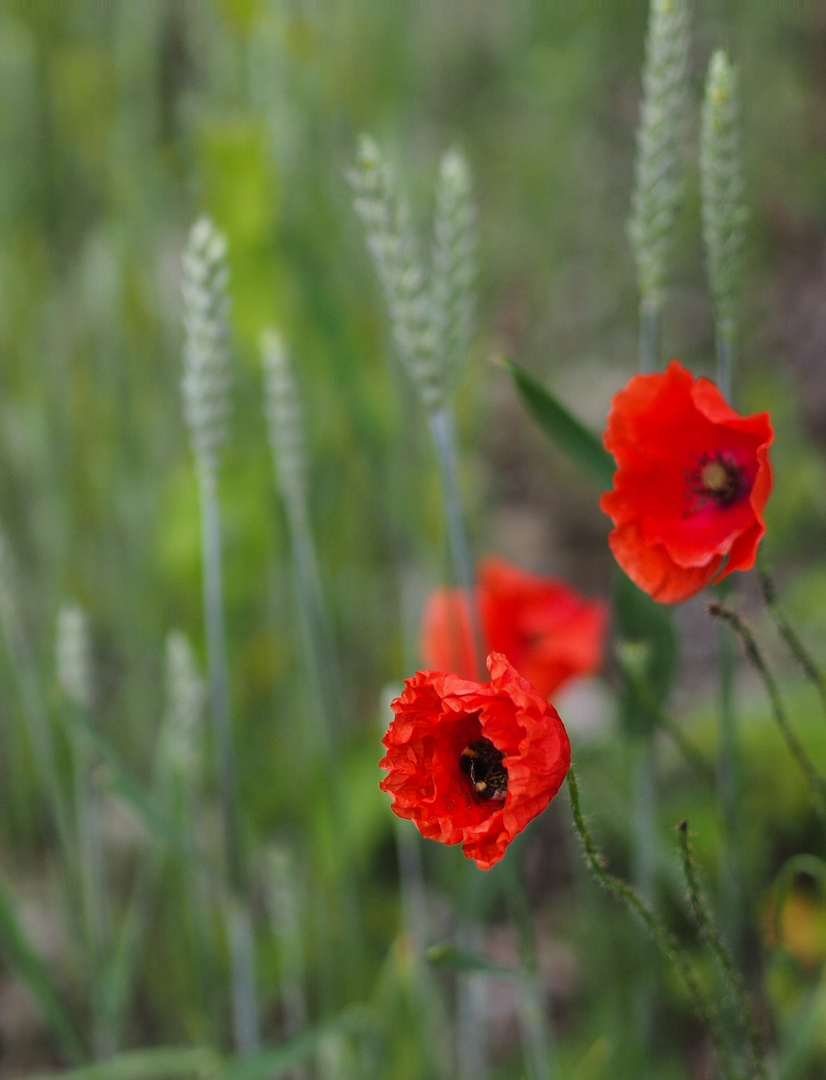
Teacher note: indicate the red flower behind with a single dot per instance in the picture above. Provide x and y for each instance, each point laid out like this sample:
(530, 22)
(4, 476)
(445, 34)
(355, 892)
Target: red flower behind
(473, 763)
(691, 483)
(545, 628)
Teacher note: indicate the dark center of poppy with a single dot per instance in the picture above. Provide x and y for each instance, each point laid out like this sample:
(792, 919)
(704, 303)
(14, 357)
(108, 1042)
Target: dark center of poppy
(717, 479)
(481, 763)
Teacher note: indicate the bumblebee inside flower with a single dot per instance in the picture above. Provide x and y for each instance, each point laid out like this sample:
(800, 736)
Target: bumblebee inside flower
(471, 762)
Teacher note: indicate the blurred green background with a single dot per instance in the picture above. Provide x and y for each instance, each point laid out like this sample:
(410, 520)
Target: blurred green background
(120, 123)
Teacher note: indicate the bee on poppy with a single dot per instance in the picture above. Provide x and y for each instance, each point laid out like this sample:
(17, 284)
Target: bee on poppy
(481, 763)
(472, 763)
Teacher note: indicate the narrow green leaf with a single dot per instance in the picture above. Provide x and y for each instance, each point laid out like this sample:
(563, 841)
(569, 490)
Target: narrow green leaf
(648, 640)
(134, 794)
(30, 968)
(448, 955)
(578, 442)
(273, 1062)
(159, 1063)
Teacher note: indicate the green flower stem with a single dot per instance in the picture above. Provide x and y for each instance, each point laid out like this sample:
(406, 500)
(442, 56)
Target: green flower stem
(728, 793)
(723, 213)
(725, 359)
(35, 717)
(322, 668)
(643, 866)
(414, 908)
(666, 722)
(95, 899)
(789, 635)
(471, 1039)
(721, 954)
(444, 440)
(663, 939)
(645, 852)
(815, 780)
(239, 926)
(658, 169)
(650, 335)
(319, 654)
(538, 1050)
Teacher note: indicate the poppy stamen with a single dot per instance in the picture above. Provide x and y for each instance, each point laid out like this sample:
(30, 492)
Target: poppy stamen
(717, 479)
(481, 763)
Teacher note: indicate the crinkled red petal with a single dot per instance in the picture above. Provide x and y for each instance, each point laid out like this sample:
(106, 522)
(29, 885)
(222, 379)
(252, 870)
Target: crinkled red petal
(436, 717)
(669, 536)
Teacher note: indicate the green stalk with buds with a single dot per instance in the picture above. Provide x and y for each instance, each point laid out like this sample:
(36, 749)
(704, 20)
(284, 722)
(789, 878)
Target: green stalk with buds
(205, 393)
(658, 172)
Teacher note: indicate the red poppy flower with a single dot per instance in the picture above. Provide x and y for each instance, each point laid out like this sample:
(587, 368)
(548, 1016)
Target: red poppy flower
(691, 483)
(547, 630)
(473, 763)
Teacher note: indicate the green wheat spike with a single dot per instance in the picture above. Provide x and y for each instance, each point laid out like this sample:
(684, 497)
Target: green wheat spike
(431, 312)
(724, 215)
(658, 183)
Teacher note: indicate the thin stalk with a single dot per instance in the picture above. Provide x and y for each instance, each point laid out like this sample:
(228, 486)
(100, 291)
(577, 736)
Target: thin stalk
(721, 954)
(472, 1048)
(728, 793)
(285, 903)
(96, 915)
(414, 914)
(36, 719)
(286, 436)
(538, 1051)
(644, 828)
(660, 935)
(318, 651)
(666, 722)
(320, 657)
(789, 635)
(444, 441)
(816, 782)
(644, 860)
(239, 927)
(650, 334)
(724, 340)
(125, 954)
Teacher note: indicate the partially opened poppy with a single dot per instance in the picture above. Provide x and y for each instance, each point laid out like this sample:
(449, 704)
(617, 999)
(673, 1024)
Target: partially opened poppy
(473, 763)
(691, 483)
(548, 631)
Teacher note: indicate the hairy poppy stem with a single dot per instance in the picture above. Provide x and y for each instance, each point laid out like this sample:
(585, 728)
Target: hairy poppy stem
(661, 936)
(721, 954)
(789, 635)
(816, 781)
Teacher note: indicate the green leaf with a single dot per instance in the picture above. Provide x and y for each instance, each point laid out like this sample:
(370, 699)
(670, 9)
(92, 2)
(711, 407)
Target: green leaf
(31, 969)
(159, 1063)
(578, 442)
(273, 1062)
(448, 955)
(130, 789)
(648, 641)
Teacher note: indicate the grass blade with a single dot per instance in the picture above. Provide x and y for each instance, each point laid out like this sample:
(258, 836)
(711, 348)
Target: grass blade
(33, 972)
(578, 442)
